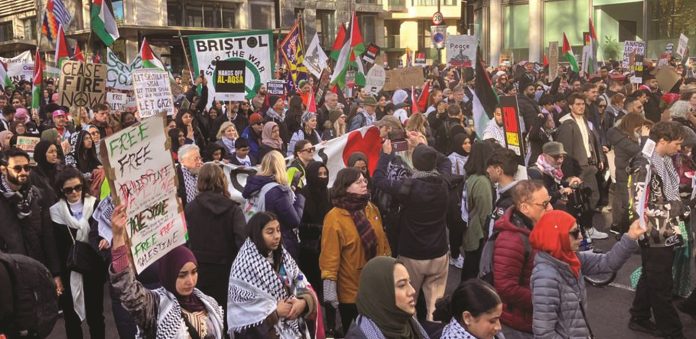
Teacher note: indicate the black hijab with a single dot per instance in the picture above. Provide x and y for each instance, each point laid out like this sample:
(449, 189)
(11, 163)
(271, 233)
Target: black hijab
(457, 142)
(317, 194)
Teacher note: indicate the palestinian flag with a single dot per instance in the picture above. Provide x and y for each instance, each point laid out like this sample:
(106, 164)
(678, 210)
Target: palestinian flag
(568, 55)
(339, 42)
(5, 81)
(424, 96)
(103, 22)
(61, 47)
(149, 58)
(311, 101)
(485, 98)
(350, 57)
(77, 54)
(593, 66)
(38, 79)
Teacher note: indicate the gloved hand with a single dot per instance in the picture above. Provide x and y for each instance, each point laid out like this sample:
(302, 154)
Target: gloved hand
(330, 295)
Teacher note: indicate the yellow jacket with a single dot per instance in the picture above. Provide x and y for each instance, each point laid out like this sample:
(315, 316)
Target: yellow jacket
(342, 257)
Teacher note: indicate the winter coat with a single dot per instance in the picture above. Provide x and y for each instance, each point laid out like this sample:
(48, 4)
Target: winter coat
(625, 149)
(569, 135)
(254, 141)
(364, 328)
(560, 299)
(216, 228)
(284, 203)
(342, 256)
(512, 269)
(480, 205)
(31, 236)
(529, 109)
(422, 223)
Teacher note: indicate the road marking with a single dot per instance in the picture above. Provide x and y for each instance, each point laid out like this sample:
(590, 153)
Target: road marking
(622, 286)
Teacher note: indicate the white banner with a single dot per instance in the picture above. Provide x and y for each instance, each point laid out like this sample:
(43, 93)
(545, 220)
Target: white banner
(144, 179)
(461, 50)
(152, 92)
(118, 73)
(20, 67)
(315, 59)
(255, 48)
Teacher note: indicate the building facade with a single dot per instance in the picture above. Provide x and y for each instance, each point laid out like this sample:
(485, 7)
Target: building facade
(518, 30)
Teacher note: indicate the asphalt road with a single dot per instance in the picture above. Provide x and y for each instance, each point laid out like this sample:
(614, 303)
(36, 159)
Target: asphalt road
(607, 307)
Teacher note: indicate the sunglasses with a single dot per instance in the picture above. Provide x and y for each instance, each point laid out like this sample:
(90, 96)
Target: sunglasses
(20, 168)
(575, 233)
(310, 150)
(70, 190)
(258, 123)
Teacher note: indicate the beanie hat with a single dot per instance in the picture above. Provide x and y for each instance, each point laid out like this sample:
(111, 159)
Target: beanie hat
(399, 97)
(274, 99)
(424, 158)
(255, 118)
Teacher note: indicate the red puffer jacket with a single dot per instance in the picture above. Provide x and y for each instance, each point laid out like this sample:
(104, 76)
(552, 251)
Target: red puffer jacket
(513, 262)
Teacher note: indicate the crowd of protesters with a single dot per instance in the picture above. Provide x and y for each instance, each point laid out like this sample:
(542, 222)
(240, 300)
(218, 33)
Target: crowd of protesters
(368, 257)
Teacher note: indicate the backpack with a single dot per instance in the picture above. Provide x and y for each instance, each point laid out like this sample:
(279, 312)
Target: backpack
(35, 300)
(257, 202)
(457, 209)
(486, 263)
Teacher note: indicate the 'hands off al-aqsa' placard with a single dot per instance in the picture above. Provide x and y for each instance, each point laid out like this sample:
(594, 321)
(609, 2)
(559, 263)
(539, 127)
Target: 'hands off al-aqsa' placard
(143, 178)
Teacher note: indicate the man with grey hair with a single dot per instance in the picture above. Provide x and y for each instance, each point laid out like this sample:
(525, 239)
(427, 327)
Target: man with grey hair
(190, 162)
(330, 103)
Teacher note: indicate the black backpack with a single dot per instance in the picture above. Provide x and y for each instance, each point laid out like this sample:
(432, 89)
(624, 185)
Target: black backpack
(457, 186)
(35, 300)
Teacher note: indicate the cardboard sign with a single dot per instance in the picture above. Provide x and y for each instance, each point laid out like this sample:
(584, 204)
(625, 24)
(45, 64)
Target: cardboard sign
(683, 43)
(142, 176)
(81, 84)
(666, 78)
(553, 60)
(229, 80)
(371, 53)
(631, 50)
(152, 92)
(403, 78)
(511, 125)
(374, 81)
(117, 101)
(27, 144)
(118, 73)
(275, 87)
(461, 50)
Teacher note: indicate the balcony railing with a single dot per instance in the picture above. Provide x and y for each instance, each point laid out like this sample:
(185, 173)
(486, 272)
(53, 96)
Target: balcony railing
(396, 4)
(433, 3)
(369, 2)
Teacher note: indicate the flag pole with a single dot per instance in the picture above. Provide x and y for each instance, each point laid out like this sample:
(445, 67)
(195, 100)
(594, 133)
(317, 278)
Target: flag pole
(188, 64)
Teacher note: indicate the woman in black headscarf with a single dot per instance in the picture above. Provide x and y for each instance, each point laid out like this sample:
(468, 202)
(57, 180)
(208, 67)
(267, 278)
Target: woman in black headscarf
(48, 157)
(317, 204)
(83, 154)
(158, 313)
(461, 147)
(386, 303)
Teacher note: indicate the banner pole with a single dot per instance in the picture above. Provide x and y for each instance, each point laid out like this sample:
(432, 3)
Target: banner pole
(188, 64)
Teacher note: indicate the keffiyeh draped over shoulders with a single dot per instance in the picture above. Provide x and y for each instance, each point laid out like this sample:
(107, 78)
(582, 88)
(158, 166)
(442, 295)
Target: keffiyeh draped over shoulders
(254, 291)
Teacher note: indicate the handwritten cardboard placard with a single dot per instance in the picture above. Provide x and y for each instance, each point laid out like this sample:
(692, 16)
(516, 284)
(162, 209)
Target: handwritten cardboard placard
(27, 144)
(461, 50)
(153, 92)
(82, 84)
(142, 176)
(553, 60)
(117, 101)
(403, 78)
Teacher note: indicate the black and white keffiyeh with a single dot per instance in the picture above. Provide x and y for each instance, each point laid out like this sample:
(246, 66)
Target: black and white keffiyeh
(170, 324)
(664, 168)
(19, 200)
(190, 184)
(254, 291)
(454, 330)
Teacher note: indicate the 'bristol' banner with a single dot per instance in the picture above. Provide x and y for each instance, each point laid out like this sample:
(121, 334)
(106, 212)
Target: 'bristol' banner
(255, 48)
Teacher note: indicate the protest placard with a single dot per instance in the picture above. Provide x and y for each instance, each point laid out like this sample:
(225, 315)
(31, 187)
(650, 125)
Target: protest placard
(403, 78)
(374, 81)
(371, 53)
(118, 73)
(20, 67)
(461, 50)
(511, 125)
(631, 50)
(82, 84)
(683, 43)
(27, 144)
(229, 80)
(553, 60)
(275, 87)
(152, 92)
(666, 78)
(255, 48)
(117, 101)
(143, 178)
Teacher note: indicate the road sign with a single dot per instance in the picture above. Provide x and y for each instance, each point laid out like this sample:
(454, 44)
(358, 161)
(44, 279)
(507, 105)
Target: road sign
(438, 19)
(438, 36)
